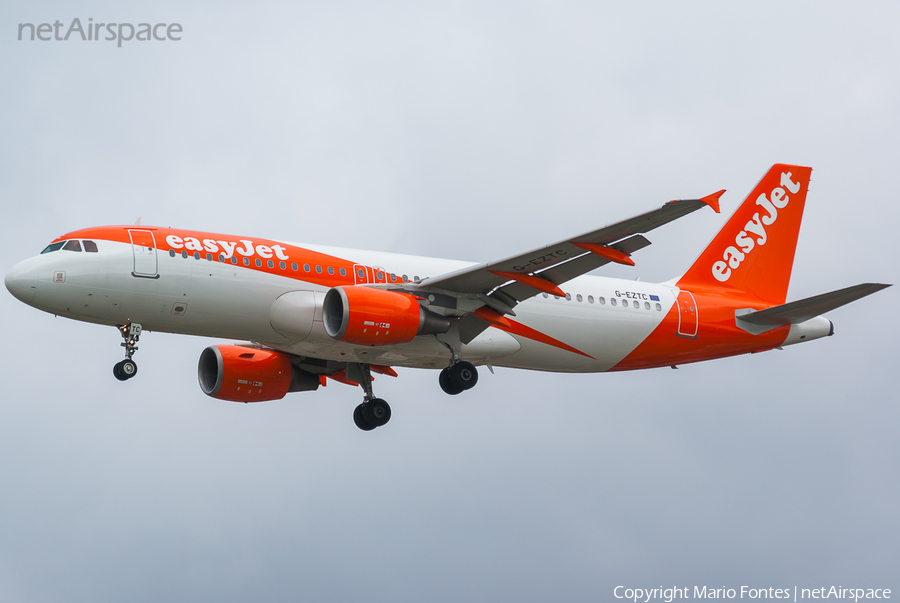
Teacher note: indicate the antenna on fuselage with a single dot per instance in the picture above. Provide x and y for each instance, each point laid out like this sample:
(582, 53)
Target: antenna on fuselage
(137, 222)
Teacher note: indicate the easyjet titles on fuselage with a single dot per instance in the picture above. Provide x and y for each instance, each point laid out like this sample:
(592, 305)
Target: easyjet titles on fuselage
(246, 247)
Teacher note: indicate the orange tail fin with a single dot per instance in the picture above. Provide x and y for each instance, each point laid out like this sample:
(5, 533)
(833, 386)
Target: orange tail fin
(754, 252)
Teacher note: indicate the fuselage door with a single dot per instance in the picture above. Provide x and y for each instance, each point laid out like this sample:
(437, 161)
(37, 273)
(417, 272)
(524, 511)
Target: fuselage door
(687, 314)
(360, 274)
(143, 245)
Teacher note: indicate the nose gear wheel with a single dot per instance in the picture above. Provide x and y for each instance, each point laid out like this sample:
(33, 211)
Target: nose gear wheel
(126, 369)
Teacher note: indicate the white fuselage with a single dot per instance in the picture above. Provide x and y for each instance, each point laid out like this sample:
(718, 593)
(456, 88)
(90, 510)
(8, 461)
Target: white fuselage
(215, 299)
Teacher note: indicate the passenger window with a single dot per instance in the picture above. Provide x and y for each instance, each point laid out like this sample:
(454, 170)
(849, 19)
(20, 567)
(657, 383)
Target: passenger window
(590, 299)
(258, 263)
(612, 302)
(89, 246)
(646, 305)
(184, 254)
(636, 304)
(405, 278)
(282, 265)
(330, 270)
(53, 247)
(208, 257)
(578, 297)
(546, 295)
(361, 273)
(72, 246)
(343, 272)
(196, 255)
(234, 259)
(294, 266)
(270, 264)
(601, 301)
(171, 252)
(246, 261)
(305, 267)
(568, 297)
(319, 269)
(222, 258)
(659, 307)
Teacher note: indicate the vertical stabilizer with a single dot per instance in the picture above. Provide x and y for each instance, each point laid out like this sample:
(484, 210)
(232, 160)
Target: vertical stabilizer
(754, 252)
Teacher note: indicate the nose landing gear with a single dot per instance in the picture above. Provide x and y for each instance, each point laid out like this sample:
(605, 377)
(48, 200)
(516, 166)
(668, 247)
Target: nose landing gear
(126, 369)
(373, 412)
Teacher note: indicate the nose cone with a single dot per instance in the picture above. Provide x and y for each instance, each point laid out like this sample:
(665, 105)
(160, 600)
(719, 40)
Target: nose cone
(20, 283)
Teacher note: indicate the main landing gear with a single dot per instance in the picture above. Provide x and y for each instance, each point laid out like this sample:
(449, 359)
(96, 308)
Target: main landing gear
(373, 412)
(126, 369)
(458, 377)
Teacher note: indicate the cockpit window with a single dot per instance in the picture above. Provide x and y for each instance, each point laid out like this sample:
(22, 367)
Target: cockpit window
(53, 247)
(72, 245)
(90, 246)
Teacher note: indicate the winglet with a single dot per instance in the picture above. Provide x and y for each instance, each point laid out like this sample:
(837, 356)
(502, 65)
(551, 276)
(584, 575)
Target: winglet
(713, 200)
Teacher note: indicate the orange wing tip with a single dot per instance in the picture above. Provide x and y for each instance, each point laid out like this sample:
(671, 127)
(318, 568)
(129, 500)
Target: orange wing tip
(613, 255)
(713, 200)
(492, 316)
(535, 282)
(383, 370)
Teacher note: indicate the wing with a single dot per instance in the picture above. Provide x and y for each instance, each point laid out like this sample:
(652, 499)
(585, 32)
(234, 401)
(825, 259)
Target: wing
(544, 269)
(502, 284)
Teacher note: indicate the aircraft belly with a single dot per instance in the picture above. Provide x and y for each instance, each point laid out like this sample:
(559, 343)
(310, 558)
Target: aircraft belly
(421, 352)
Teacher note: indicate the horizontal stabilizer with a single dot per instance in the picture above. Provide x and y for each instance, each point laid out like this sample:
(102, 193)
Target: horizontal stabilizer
(804, 309)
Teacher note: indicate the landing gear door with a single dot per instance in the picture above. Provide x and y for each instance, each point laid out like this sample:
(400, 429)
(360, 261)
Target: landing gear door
(143, 245)
(687, 315)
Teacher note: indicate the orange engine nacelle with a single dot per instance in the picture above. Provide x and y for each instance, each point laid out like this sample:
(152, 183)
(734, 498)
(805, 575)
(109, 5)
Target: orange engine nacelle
(245, 374)
(367, 316)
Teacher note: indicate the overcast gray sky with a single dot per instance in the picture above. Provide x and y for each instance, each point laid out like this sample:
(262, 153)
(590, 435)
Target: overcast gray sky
(471, 131)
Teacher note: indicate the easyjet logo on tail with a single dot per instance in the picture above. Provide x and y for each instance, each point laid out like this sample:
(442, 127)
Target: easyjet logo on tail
(744, 242)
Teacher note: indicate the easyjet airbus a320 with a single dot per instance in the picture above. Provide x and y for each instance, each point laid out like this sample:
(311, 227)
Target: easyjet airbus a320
(310, 313)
